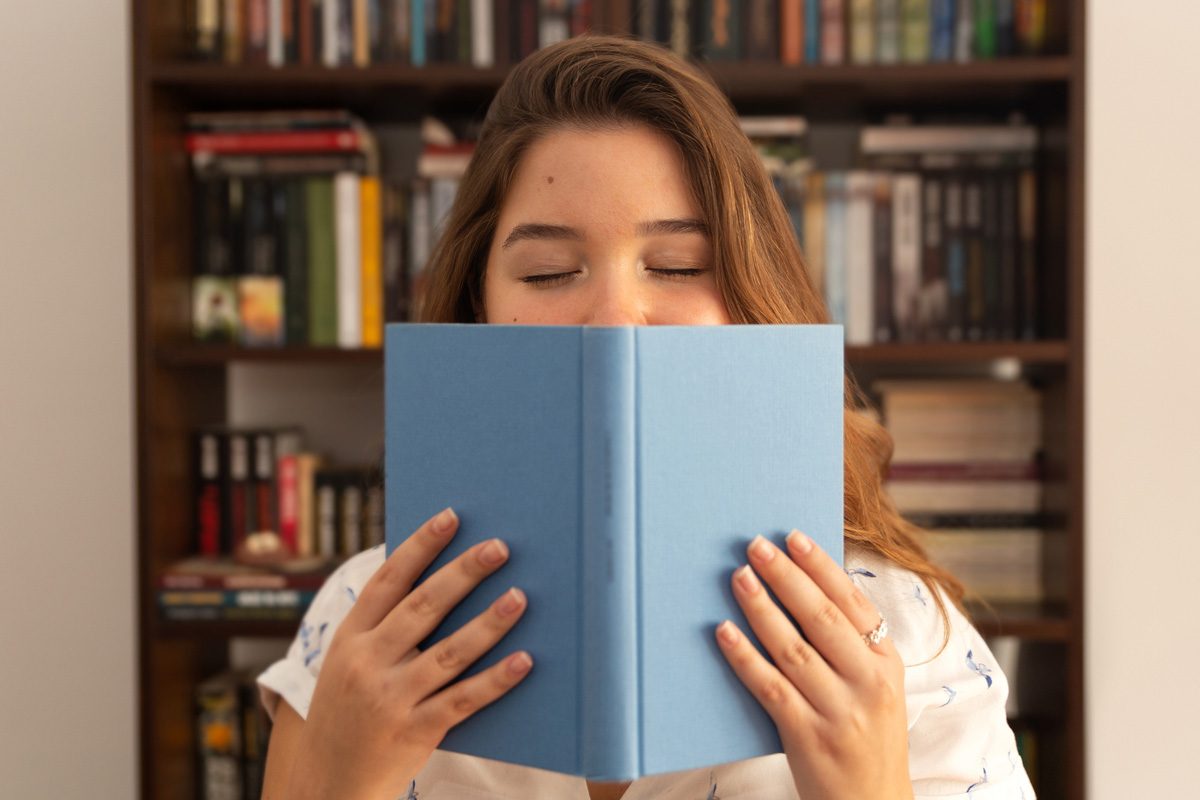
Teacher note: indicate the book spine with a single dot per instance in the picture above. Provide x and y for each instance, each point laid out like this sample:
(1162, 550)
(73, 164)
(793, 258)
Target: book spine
(371, 217)
(721, 28)
(611, 723)
(295, 281)
(885, 279)
(208, 494)
(859, 250)
(348, 235)
(862, 31)
(833, 31)
(295, 141)
(906, 253)
(322, 264)
(942, 30)
(812, 31)
(1027, 252)
(887, 37)
(791, 43)
(483, 34)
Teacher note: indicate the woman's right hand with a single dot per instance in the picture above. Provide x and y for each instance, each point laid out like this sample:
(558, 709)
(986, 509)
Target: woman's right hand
(381, 706)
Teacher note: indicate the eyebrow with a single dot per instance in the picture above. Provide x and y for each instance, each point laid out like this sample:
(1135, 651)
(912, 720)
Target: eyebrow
(659, 227)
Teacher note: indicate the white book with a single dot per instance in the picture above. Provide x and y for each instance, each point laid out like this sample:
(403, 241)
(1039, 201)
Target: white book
(329, 34)
(860, 268)
(275, 33)
(483, 34)
(964, 31)
(348, 238)
(421, 229)
(906, 251)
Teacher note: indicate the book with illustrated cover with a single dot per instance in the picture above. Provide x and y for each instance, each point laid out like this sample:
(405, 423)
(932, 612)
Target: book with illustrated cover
(627, 469)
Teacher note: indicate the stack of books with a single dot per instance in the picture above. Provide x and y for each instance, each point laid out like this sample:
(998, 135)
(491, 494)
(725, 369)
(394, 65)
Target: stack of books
(255, 481)
(966, 468)
(221, 590)
(932, 239)
(288, 229)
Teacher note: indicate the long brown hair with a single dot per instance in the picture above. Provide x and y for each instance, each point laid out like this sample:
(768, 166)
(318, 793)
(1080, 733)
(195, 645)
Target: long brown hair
(595, 82)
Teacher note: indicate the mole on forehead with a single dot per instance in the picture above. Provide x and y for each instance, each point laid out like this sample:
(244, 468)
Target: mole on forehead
(549, 179)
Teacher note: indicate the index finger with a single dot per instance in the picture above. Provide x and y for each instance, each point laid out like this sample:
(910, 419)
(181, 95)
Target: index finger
(394, 580)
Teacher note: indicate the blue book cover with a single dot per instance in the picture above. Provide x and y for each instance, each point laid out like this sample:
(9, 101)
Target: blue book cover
(812, 32)
(627, 468)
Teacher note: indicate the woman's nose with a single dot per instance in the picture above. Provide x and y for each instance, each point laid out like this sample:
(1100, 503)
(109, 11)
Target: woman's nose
(617, 302)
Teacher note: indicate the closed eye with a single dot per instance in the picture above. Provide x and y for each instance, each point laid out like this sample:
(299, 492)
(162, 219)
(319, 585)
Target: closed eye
(677, 274)
(549, 279)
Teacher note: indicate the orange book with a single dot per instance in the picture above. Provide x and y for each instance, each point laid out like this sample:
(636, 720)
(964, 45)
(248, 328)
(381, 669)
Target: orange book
(371, 225)
(791, 42)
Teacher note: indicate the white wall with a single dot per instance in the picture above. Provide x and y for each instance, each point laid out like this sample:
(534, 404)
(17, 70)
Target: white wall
(1143, 699)
(67, 651)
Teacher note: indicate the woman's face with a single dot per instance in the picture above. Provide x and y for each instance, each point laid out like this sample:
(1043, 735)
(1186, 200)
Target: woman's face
(599, 228)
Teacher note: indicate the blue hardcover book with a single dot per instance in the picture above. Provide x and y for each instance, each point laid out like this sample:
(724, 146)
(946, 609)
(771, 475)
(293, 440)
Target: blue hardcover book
(812, 32)
(942, 25)
(416, 35)
(627, 468)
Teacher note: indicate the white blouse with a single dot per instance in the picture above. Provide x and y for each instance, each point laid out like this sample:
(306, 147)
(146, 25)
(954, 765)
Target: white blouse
(960, 744)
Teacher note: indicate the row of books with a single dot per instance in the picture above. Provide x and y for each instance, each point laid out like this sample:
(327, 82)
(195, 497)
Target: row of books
(851, 31)
(934, 238)
(359, 33)
(232, 732)
(482, 33)
(262, 481)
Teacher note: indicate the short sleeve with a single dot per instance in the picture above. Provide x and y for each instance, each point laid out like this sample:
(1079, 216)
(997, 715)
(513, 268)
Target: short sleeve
(294, 677)
(960, 743)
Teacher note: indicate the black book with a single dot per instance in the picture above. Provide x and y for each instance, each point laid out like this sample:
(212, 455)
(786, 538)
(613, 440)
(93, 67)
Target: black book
(992, 277)
(761, 28)
(955, 259)
(295, 270)
(975, 260)
(1008, 255)
(881, 239)
(262, 508)
(932, 307)
(1027, 252)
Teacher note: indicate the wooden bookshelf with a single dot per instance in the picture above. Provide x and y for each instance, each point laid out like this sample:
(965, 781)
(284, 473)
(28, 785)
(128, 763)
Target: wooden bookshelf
(181, 385)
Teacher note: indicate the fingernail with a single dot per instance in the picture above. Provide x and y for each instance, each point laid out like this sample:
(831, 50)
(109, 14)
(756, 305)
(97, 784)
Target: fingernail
(519, 663)
(745, 577)
(762, 550)
(728, 632)
(493, 552)
(444, 521)
(799, 542)
(510, 601)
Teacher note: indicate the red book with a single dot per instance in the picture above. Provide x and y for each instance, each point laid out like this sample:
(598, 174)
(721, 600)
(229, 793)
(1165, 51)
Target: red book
(288, 477)
(301, 141)
(208, 493)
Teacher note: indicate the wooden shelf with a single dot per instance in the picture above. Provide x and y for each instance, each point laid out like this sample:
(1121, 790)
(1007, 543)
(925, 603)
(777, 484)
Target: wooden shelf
(1049, 352)
(199, 355)
(1012, 80)
(1032, 621)
(221, 630)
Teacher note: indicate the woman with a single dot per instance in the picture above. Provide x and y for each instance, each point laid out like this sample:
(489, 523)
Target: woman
(612, 185)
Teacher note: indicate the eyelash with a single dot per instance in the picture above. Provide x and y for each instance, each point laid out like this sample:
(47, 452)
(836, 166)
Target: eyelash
(562, 277)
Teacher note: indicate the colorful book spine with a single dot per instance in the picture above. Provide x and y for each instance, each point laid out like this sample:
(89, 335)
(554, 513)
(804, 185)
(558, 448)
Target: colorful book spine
(322, 264)
(862, 31)
(791, 33)
(813, 31)
(348, 258)
(833, 32)
(915, 31)
(371, 284)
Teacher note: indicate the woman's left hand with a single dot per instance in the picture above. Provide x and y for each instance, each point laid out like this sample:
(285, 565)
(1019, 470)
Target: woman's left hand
(837, 701)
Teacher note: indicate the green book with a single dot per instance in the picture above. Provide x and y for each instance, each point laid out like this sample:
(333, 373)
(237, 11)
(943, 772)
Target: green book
(915, 31)
(985, 28)
(322, 264)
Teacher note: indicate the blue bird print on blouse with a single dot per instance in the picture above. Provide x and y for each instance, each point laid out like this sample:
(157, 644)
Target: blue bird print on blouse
(981, 781)
(310, 646)
(866, 573)
(950, 695)
(412, 792)
(917, 595)
(350, 592)
(983, 670)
